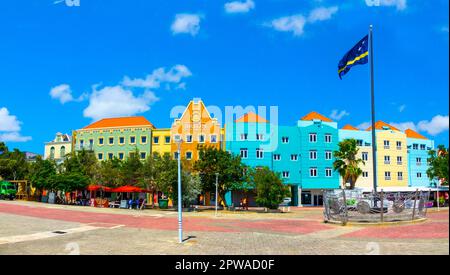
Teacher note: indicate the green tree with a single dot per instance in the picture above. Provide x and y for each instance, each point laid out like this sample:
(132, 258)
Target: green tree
(438, 162)
(83, 162)
(166, 176)
(347, 163)
(149, 171)
(270, 190)
(40, 173)
(109, 173)
(68, 182)
(132, 169)
(13, 164)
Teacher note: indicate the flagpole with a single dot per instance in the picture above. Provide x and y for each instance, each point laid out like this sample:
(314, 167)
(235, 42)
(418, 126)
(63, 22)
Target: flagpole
(372, 86)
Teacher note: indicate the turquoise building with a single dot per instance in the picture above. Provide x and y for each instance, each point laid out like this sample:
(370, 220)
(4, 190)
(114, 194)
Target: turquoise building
(418, 147)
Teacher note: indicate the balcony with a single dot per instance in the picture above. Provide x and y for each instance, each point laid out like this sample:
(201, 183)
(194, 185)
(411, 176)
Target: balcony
(89, 147)
(400, 178)
(399, 163)
(387, 162)
(399, 148)
(387, 178)
(387, 147)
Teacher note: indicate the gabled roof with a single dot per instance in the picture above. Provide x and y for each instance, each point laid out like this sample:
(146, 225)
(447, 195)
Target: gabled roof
(381, 125)
(120, 122)
(413, 134)
(350, 127)
(251, 117)
(316, 115)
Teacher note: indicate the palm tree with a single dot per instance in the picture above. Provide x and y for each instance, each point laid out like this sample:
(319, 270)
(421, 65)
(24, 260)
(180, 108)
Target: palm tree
(347, 163)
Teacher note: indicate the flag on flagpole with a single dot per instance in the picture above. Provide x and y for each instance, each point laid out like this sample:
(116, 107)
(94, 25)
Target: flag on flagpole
(358, 55)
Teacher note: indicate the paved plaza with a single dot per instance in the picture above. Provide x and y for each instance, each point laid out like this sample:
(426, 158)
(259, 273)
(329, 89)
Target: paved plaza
(37, 228)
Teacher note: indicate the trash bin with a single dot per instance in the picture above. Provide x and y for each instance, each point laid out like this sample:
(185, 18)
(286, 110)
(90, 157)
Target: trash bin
(163, 203)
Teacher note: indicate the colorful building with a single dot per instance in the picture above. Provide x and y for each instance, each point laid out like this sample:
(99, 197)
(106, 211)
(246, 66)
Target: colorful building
(161, 141)
(116, 137)
(364, 144)
(58, 148)
(418, 147)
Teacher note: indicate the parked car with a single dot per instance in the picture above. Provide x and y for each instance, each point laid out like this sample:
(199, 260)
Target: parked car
(7, 190)
(286, 202)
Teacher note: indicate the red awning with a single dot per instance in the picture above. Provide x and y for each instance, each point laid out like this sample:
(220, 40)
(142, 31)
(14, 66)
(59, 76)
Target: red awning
(98, 187)
(128, 189)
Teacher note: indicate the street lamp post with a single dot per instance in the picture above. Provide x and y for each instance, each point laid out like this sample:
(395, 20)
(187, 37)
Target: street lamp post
(217, 189)
(180, 196)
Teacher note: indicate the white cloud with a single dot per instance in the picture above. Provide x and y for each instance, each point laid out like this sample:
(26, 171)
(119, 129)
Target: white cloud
(437, 125)
(401, 108)
(10, 127)
(322, 14)
(159, 76)
(336, 115)
(13, 137)
(296, 23)
(239, 7)
(63, 93)
(364, 125)
(404, 125)
(186, 23)
(399, 4)
(117, 101)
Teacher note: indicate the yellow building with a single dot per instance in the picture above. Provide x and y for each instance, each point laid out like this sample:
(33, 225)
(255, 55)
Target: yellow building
(392, 156)
(162, 142)
(58, 148)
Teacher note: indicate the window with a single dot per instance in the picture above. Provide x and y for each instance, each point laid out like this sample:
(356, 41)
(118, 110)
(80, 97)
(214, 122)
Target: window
(328, 138)
(294, 157)
(359, 142)
(213, 138)
(177, 137)
(100, 141)
(201, 138)
(386, 144)
(415, 146)
(328, 155)
(121, 140)
(365, 156)
(244, 136)
(259, 136)
(419, 161)
(188, 155)
(277, 157)
(387, 160)
(285, 174)
(387, 175)
(110, 155)
(132, 140)
(167, 139)
(312, 137)
(143, 139)
(121, 156)
(62, 151)
(188, 138)
(399, 145)
(399, 160)
(259, 153)
(111, 141)
(313, 172)
(328, 172)
(400, 176)
(422, 147)
(175, 155)
(81, 144)
(419, 175)
(155, 139)
(312, 155)
(365, 174)
(244, 153)
(131, 154)
(91, 143)
(52, 152)
(143, 155)
(285, 140)
(100, 156)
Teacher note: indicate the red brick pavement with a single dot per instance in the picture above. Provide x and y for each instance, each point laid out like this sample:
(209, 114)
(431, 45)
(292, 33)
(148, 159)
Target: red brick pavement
(426, 230)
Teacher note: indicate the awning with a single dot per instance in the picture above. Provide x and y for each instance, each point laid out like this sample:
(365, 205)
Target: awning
(128, 189)
(98, 187)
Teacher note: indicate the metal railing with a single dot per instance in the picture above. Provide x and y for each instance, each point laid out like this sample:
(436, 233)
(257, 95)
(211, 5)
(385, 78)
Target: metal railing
(353, 206)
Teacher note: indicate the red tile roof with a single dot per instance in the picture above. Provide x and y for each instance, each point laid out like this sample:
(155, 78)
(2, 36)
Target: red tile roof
(120, 122)
(379, 125)
(413, 134)
(316, 115)
(350, 127)
(251, 117)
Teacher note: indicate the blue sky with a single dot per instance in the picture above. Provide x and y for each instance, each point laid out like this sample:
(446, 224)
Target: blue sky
(64, 66)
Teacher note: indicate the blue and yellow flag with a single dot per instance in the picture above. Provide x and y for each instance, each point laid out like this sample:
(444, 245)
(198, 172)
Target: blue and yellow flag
(358, 55)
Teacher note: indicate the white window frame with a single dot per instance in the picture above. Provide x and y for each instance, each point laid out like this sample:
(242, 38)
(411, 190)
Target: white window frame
(313, 153)
(313, 137)
(259, 153)
(243, 153)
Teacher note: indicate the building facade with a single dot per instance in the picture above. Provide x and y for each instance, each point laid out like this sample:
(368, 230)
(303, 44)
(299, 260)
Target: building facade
(418, 147)
(116, 138)
(58, 148)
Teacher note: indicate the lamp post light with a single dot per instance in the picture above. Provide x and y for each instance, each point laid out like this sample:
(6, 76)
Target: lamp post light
(180, 196)
(217, 189)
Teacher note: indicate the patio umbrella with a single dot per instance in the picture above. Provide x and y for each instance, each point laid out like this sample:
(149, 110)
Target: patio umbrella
(127, 189)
